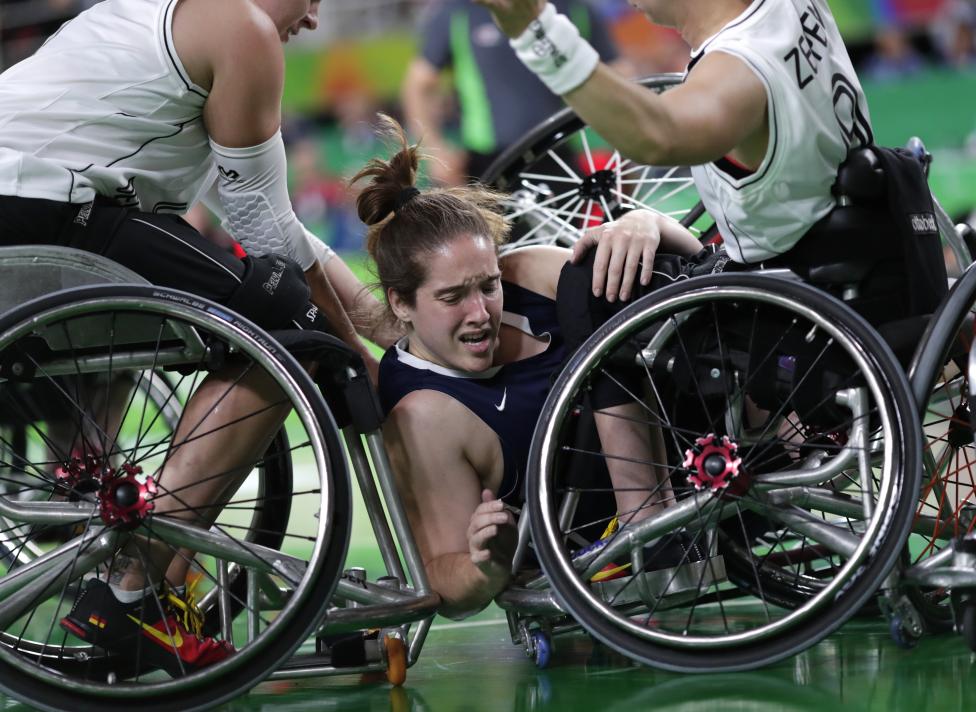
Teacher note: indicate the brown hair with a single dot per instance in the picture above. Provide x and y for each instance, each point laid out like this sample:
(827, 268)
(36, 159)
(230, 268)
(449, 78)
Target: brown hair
(405, 226)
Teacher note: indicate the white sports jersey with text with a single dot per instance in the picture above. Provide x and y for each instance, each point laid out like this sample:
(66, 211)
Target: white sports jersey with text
(817, 113)
(105, 107)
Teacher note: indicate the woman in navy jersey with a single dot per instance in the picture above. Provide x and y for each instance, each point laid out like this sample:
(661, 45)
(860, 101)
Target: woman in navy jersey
(464, 387)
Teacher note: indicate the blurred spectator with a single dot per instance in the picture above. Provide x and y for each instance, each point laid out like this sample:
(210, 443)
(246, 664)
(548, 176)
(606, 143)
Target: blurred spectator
(954, 33)
(893, 57)
(321, 199)
(650, 48)
(499, 99)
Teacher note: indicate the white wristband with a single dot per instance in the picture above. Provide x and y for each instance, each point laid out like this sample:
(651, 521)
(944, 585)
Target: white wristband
(552, 48)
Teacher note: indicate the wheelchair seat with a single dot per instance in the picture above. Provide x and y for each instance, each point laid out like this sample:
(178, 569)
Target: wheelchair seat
(844, 246)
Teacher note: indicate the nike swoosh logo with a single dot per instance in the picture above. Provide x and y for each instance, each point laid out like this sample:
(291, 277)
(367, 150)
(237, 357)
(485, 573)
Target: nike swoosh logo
(501, 406)
(170, 641)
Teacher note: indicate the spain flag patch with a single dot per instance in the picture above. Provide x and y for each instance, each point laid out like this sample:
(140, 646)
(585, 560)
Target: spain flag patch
(95, 620)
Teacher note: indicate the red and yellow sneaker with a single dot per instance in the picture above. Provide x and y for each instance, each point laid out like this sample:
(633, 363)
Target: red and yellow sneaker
(154, 630)
(669, 551)
(610, 571)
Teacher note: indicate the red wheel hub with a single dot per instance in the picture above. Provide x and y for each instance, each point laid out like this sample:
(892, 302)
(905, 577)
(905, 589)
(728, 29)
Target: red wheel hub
(79, 473)
(713, 462)
(124, 500)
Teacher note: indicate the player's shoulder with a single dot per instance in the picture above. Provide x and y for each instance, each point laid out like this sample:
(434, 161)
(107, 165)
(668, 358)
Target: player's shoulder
(535, 267)
(213, 35)
(426, 411)
(231, 24)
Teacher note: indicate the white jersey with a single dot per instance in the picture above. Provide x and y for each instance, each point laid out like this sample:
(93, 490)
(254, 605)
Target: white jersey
(817, 113)
(105, 107)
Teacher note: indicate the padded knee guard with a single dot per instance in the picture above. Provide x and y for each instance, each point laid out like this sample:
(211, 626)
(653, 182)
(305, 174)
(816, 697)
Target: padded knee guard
(580, 313)
(273, 293)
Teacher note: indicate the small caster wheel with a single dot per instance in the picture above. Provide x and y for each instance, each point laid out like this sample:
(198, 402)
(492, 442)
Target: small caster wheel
(542, 647)
(396, 660)
(903, 637)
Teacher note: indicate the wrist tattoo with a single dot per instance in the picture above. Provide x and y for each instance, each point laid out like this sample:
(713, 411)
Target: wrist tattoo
(120, 567)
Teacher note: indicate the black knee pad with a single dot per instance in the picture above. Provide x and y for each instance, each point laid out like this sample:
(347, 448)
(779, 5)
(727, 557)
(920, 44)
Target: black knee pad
(580, 314)
(273, 292)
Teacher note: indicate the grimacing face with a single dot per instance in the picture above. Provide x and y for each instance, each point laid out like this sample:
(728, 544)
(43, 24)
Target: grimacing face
(456, 315)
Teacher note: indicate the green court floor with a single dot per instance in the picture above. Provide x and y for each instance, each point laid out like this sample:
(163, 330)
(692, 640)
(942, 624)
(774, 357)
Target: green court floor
(473, 667)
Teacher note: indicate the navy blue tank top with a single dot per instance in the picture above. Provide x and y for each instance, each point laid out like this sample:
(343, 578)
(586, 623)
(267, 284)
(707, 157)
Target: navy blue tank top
(507, 398)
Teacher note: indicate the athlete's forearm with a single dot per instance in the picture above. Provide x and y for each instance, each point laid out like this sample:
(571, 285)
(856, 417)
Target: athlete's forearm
(365, 311)
(463, 587)
(326, 299)
(676, 239)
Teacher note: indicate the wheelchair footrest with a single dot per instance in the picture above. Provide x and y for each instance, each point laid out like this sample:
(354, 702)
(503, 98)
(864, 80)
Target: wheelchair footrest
(676, 583)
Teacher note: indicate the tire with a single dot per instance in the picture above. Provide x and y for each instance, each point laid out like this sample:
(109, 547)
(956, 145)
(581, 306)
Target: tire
(563, 177)
(703, 348)
(298, 552)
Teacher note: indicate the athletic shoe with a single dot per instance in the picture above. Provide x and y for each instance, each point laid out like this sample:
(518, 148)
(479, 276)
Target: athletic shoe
(155, 630)
(666, 553)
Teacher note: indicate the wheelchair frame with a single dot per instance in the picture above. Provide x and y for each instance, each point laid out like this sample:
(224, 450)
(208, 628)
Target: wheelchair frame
(549, 210)
(400, 601)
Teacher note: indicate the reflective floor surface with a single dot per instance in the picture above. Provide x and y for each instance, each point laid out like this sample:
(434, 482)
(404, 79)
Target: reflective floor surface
(473, 667)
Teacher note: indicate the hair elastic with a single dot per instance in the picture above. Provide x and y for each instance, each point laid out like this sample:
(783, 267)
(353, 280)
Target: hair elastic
(404, 197)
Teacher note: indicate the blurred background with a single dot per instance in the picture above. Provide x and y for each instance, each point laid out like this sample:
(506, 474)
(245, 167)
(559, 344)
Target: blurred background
(916, 58)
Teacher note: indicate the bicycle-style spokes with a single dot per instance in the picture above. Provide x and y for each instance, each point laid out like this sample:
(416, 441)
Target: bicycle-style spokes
(772, 453)
(171, 452)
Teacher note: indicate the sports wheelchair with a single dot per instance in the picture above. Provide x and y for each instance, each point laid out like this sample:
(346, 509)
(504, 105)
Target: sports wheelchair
(795, 451)
(99, 371)
(823, 476)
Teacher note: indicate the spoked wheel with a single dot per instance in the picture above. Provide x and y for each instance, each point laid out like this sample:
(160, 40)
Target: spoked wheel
(214, 495)
(562, 177)
(772, 419)
(73, 444)
(947, 503)
(70, 444)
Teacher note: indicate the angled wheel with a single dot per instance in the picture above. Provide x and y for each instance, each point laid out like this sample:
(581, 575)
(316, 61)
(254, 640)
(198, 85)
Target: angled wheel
(947, 502)
(787, 427)
(562, 177)
(265, 569)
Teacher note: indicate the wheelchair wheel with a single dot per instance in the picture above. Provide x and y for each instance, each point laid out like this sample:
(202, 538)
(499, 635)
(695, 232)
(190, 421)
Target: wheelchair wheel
(155, 398)
(787, 429)
(265, 568)
(946, 507)
(63, 440)
(562, 177)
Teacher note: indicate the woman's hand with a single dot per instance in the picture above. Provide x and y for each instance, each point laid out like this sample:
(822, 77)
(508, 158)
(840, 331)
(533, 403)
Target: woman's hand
(621, 247)
(492, 536)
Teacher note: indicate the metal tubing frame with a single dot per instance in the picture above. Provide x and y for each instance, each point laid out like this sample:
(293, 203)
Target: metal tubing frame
(49, 578)
(398, 517)
(371, 498)
(408, 546)
(371, 605)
